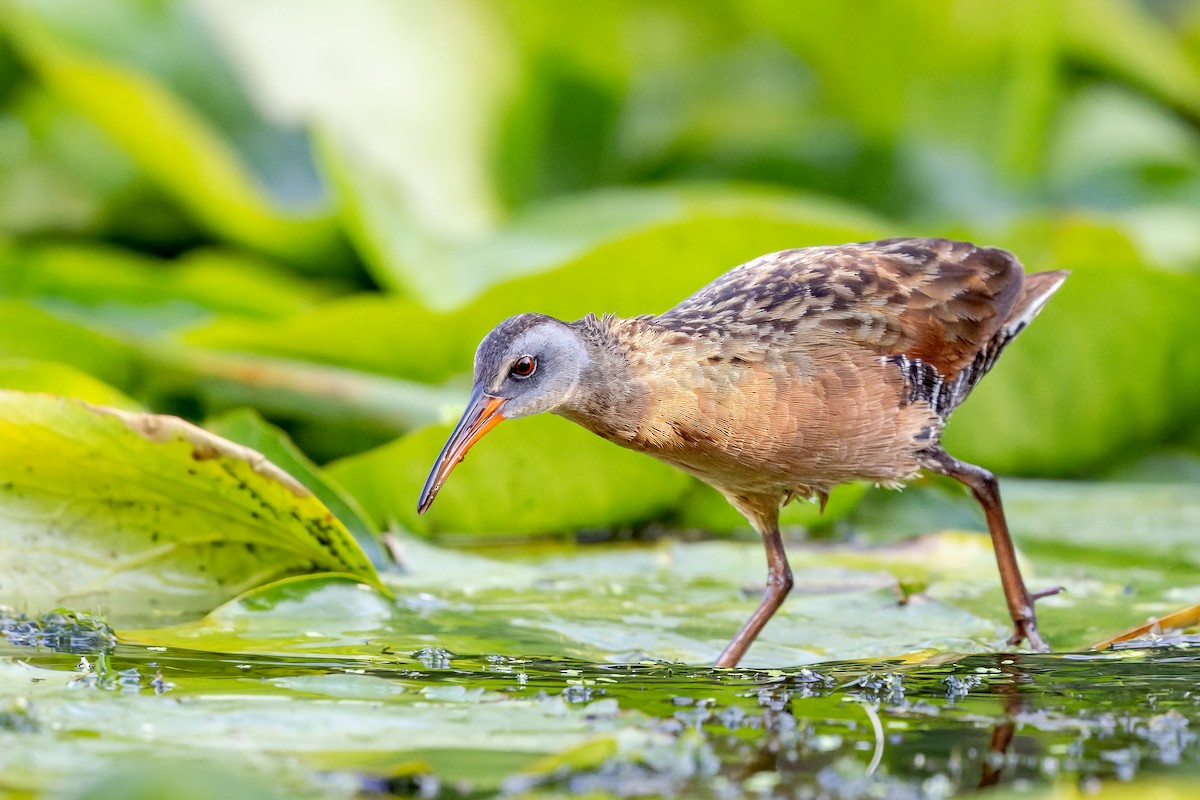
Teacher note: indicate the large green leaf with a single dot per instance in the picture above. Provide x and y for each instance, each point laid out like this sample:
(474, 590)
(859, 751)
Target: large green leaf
(246, 427)
(143, 515)
(981, 77)
(642, 234)
(27, 331)
(125, 289)
(706, 509)
(536, 475)
(648, 250)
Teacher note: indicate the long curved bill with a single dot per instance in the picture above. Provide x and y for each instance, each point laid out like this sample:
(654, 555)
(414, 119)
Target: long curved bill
(482, 414)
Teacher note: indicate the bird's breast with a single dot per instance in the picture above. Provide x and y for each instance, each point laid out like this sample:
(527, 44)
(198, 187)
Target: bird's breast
(778, 420)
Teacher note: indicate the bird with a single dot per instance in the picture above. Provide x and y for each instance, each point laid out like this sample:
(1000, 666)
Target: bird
(788, 375)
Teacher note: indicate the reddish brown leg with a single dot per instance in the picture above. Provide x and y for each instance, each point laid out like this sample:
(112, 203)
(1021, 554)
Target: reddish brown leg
(779, 583)
(987, 491)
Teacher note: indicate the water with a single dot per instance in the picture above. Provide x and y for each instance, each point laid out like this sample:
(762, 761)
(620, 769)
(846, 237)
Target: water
(480, 725)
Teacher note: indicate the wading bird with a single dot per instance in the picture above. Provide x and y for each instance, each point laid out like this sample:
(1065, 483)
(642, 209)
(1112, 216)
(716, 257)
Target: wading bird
(783, 378)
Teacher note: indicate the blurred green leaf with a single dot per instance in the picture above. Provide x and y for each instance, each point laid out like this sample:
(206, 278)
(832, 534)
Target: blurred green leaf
(410, 110)
(163, 518)
(335, 410)
(705, 508)
(640, 229)
(137, 779)
(164, 135)
(27, 375)
(980, 77)
(27, 331)
(652, 249)
(58, 172)
(246, 427)
(500, 489)
(127, 290)
(1124, 37)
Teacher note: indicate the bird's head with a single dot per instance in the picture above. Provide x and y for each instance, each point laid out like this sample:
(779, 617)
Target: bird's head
(528, 364)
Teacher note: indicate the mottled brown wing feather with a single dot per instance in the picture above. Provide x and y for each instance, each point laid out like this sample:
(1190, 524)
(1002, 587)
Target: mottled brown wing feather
(936, 300)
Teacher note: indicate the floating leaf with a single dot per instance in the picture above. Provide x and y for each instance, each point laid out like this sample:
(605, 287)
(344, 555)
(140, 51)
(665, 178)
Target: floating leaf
(1175, 621)
(139, 514)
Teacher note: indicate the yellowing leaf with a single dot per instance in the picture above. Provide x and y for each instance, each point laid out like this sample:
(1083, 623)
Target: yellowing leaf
(137, 514)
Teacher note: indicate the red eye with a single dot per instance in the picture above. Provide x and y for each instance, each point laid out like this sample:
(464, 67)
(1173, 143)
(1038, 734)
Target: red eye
(523, 367)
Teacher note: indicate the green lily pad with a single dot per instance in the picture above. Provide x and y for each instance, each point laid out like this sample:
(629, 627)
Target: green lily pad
(141, 515)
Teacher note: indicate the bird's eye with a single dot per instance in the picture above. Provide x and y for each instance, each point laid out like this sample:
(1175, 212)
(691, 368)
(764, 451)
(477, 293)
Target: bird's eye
(523, 367)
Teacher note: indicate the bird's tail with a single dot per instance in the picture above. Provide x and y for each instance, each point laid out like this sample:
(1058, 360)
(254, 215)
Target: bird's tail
(1035, 291)
(1034, 294)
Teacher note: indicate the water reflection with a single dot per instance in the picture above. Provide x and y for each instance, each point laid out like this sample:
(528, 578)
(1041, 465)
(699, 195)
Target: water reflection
(846, 729)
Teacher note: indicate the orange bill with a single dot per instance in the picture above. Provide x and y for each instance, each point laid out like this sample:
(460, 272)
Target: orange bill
(482, 414)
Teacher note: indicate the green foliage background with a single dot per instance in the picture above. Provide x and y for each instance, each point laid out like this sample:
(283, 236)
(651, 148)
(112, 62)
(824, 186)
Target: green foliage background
(317, 210)
(291, 221)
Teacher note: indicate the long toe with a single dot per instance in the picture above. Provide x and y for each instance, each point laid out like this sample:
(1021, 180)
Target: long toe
(1027, 631)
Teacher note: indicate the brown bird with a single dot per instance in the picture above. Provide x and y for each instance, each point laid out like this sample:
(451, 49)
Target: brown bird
(783, 378)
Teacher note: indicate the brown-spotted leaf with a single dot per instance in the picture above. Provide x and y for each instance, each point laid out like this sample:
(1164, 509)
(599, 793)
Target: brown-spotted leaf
(142, 515)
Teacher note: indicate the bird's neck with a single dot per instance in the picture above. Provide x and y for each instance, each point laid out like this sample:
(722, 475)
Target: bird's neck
(610, 398)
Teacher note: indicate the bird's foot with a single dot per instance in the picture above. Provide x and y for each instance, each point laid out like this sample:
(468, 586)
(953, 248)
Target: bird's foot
(1026, 630)
(1025, 627)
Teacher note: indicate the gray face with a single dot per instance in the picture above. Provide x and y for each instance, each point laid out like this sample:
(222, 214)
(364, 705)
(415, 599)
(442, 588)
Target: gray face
(533, 361)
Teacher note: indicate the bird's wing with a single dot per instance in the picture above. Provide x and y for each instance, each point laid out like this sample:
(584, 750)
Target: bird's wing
(937, 301)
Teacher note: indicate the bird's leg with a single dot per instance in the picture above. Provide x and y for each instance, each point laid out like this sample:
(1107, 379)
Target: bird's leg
(987, 491)
(779, 583)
